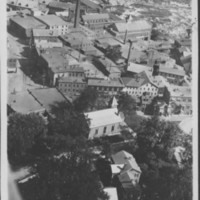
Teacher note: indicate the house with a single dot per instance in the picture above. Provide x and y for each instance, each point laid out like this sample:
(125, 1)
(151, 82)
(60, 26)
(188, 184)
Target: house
(133, 30)
(131, 172)
(58, 63)
(54, 22)
(48, 97)
(23, 25)
(109, 87)
(140, 86)
(72, 86)
(181, 95)
(134, 68)
(105, 122)
(78, 41)
(45, 38)
(185, 42)
(173, 75)
(95, 21)
(108, 67)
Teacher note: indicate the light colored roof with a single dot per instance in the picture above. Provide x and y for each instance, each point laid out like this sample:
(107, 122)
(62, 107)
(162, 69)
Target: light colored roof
(52, 20)
(61, 5)
(180, 91)
(116, 168)
(111, 192)
(24, 103)
(45, 33)
(137, 68)
(105, 83)
(123, 157)
(170, 70)
(103, 118)
(186, 125)
(48, 97)
(133, 26)
(28, 22)
(95, 16)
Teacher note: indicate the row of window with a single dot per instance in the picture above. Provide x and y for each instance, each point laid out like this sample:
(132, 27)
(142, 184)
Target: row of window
(72, 85)
(105, 129)
(70, 90)
(106, 88)
(140, 93)
(96, 20)
(169, 75)
(74, 74)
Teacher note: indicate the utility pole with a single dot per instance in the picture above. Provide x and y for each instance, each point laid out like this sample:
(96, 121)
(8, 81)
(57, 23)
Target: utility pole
(77, 14)
(125, 36)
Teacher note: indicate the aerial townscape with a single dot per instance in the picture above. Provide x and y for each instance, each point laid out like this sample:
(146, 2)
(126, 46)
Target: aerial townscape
(99, 100)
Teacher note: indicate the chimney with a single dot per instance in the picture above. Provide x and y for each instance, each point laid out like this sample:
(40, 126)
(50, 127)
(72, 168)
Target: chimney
(77, 14)
(125, 36)
(129, 53)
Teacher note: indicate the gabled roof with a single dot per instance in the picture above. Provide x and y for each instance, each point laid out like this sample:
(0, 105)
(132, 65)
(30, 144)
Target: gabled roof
(90, 4)
(103, 117)
(133, 26)
(127, 179)
(123, 157)
(137, 68)
(170, 70)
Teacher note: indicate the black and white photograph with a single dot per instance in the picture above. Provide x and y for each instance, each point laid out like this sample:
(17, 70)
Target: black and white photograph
(100, 100)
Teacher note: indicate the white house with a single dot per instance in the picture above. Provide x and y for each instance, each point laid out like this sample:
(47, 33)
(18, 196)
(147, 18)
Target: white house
(105, 122)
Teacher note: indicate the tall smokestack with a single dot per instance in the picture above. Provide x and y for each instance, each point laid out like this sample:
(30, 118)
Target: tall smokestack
(129, 53)
(77, 13)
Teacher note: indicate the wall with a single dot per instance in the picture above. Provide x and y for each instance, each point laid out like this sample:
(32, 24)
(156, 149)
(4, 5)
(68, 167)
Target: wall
(108, 130)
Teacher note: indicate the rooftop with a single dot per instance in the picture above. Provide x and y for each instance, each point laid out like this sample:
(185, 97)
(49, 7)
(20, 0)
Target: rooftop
(52, 20)
(59, 59)
(28, 22)
(103, 117)
(95, 16)
(45, 33)
(123, 157)
(62, 5)
(137, 68)
(111, 192)
(24, 103)
(133, 26)
(180, 91)
(106, 83)
(72, 80)
(47, 97)
(170, 70)
(127, 180)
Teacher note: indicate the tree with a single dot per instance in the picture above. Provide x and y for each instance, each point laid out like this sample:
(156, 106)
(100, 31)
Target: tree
(161, 175)
(126, 104)
(65, 127)
(23, 131)
(67, 177)
(113, 52)
(86, 100)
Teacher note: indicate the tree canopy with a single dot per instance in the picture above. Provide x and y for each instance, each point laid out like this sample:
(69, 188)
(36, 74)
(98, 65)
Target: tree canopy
(23, 131)
(126, 103)
(69, 176)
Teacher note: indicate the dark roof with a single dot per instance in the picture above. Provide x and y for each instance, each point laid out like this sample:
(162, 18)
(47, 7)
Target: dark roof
(90, 4)
(185, 42)
(47, 97)
(72, 80)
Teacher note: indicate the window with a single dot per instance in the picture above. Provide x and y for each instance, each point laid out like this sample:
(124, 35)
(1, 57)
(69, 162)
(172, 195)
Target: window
(96, 131)
(104, 129)
(113, 127)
